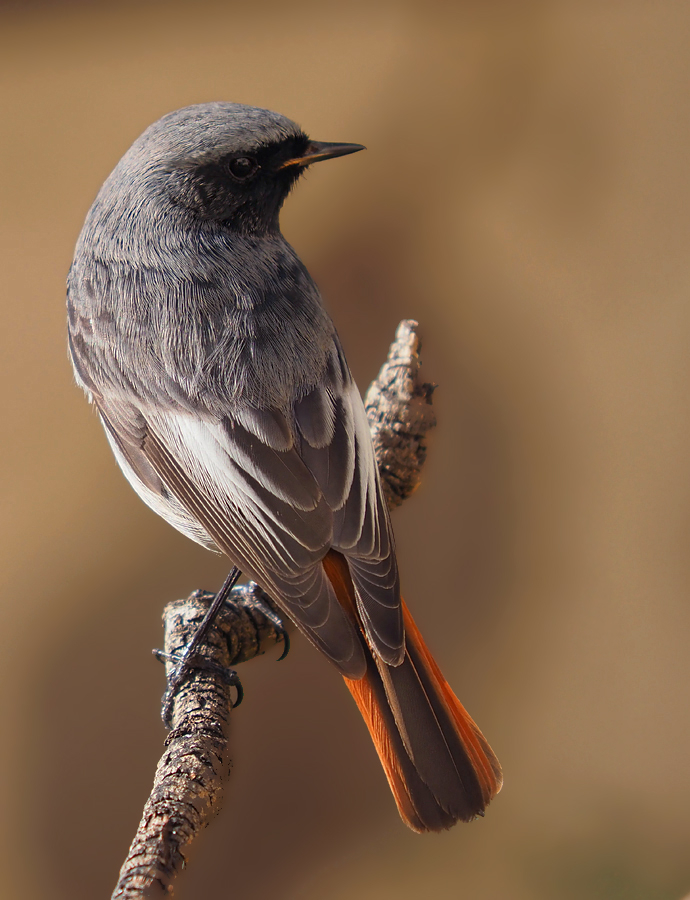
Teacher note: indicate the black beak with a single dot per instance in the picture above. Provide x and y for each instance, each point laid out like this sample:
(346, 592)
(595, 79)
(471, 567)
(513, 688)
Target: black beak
(317, 151)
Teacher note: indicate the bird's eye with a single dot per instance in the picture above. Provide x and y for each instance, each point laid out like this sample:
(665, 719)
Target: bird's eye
(243, 167)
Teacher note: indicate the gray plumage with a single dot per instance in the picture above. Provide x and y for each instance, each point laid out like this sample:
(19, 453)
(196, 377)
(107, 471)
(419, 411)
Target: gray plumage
(219, 377)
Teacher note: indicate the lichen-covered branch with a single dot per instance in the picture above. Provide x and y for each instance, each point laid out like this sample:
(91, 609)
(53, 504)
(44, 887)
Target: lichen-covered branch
(188, 784)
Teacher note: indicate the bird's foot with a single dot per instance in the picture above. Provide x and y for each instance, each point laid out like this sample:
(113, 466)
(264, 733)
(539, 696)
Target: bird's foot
(252, 597)
(184, 665)
(191, 658)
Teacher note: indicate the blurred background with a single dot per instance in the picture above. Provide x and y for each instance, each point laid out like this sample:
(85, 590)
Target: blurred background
(525, 195)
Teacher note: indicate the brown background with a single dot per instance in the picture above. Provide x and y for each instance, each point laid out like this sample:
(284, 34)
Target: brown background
(525, 195)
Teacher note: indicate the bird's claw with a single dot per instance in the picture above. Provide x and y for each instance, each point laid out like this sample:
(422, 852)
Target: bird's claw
(253, 597)
(184, 666)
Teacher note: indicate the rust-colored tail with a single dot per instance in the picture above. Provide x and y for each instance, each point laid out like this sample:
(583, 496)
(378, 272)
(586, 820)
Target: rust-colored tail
(438, 764)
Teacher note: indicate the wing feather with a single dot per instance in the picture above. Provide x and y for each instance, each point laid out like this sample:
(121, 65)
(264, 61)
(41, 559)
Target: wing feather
(361, 525)
(303, 591)
(275, 490)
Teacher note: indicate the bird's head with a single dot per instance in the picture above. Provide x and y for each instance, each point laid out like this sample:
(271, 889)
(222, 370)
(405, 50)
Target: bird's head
(225, 162)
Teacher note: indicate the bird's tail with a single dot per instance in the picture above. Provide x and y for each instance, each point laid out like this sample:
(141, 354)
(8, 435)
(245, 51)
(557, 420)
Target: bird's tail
(438, 763)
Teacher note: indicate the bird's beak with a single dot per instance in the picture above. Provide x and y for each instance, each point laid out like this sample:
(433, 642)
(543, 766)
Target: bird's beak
(317, 151)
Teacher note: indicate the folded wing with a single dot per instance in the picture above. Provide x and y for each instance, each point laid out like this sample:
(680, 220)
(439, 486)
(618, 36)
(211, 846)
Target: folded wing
(275, 491)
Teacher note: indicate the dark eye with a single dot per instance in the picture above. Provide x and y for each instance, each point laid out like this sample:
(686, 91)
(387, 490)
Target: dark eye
(243, 167)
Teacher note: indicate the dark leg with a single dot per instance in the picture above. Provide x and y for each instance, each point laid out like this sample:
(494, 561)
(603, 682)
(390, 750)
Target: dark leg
(213, 610)
(186, 661)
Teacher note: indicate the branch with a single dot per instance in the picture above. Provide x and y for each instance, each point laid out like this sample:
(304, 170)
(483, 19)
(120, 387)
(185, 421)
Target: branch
(188, 784)
(399, 411)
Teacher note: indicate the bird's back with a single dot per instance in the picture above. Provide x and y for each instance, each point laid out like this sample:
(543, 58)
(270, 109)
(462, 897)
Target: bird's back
(255, 331)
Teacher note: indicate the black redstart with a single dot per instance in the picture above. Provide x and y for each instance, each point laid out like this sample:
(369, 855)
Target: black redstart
(224, 392)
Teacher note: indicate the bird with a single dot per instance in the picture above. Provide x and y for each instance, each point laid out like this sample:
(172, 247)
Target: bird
(220, 380)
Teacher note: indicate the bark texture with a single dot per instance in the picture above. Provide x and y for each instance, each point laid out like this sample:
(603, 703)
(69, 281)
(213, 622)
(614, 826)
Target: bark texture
(400, 413)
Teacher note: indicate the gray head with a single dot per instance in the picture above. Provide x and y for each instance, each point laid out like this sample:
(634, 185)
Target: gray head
(221, 162)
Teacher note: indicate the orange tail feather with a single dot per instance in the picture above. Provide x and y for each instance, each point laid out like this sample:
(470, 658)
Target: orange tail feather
(439, 766)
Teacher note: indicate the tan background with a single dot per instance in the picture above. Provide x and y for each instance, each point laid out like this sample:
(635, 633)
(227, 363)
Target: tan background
(526, 196)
